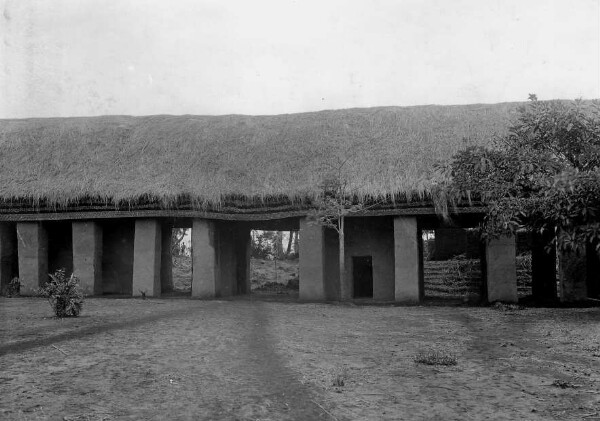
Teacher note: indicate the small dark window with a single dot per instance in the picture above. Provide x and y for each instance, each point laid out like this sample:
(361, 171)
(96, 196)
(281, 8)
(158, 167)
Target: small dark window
(362, 272)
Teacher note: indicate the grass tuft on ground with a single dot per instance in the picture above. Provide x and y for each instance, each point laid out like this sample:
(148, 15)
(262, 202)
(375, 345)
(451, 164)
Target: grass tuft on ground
(434, 357)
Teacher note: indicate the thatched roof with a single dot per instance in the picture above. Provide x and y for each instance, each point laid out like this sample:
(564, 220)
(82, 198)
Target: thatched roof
(166, 160)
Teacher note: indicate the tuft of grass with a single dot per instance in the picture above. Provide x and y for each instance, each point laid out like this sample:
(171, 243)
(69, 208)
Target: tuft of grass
(14, 287)
(339, 381)
(498, 305)
(433, 357)
(339, 377)
(564, 384)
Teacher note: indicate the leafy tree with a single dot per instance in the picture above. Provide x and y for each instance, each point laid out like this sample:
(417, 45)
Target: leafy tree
(263, 245)
(332, 207)
(544, 175)
(178, 247)
(288, 250)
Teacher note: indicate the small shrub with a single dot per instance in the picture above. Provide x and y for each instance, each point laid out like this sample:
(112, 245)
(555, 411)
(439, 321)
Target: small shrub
(339, 381)
(14, 287)
(564, 384)
(339, 377)
(498, 305)
(64, 294)
(435, 358)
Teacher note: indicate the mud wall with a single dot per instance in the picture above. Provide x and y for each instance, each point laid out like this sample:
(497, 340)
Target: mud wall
(233, 258)
(331, 265)
(117, 256)
(373, 237)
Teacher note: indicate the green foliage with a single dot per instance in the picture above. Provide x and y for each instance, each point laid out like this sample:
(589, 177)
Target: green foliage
(64, 294)
(263, 244)
(178, 246)
(14, 287)
(335, 203)
(339, 377)
(543, 176)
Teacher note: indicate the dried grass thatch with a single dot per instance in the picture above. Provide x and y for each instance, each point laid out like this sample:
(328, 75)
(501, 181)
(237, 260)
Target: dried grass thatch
(121, 160)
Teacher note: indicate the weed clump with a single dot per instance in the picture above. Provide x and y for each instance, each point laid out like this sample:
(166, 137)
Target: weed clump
(564, 384)
(498, 305)
(64, 294)
(14, 287)
(435, 358)
(339, 380)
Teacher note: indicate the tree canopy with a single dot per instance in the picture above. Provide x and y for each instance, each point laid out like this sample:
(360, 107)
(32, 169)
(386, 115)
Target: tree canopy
(544, 175)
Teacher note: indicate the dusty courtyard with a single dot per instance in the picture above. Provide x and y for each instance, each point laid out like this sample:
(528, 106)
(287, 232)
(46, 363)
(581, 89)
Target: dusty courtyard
(264, 360)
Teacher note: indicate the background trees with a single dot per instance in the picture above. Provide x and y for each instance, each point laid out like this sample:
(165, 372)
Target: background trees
(544, 175)
(274, 245)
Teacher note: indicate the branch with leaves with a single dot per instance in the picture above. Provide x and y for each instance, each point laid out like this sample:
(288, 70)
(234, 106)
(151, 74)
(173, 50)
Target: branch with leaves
(543, 176)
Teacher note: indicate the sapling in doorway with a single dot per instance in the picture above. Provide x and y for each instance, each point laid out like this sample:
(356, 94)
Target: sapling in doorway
(333, 206)
(64, 294)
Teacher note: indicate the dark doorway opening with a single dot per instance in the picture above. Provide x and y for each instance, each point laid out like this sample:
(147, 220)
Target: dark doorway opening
(362, 274)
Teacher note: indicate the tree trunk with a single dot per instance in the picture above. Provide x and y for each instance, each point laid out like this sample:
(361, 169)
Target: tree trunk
(343, 288)
(296, 245)
(177, 235)
(279, 244)
(289, 245)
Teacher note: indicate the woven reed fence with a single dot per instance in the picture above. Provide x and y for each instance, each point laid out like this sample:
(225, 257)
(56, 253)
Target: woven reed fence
(459, 278)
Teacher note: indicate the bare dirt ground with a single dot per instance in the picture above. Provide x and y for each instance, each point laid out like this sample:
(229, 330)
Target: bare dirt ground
(179, 359)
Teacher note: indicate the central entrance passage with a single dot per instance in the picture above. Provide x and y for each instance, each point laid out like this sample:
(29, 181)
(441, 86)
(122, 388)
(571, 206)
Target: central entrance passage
(274, 263)
(362, 274)
(274, 258)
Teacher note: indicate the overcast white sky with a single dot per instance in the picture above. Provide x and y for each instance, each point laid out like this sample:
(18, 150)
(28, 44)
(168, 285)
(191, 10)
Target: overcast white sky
(91, 57)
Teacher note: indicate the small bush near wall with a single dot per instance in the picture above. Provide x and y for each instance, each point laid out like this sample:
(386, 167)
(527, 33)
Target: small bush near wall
(14, 287)
(64, 294)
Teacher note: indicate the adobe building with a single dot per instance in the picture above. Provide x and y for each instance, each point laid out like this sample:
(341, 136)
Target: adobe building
(99, 196)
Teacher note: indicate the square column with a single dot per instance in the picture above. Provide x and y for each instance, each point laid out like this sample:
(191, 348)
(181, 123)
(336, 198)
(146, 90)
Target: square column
(408, 262)
(146, 257)
(312, 261)
(8, 253)
(501, 270)
(87, 256)
(32, 240)
(205, 267)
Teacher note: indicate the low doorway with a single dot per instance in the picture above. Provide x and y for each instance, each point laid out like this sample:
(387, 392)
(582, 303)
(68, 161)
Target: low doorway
(362, 274)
